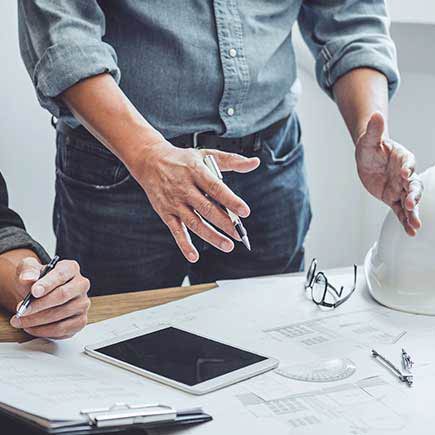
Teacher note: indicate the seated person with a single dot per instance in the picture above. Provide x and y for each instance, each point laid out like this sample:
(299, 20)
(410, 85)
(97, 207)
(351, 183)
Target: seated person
(62, 304)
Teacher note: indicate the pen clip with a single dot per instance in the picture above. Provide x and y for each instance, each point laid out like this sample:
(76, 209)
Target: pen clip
(211, 164)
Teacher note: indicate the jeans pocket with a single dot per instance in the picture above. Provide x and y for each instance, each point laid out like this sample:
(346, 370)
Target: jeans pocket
(283, 147)
(273, 156)
(88, 165)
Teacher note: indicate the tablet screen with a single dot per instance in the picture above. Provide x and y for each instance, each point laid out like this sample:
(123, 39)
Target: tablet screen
(180, 355)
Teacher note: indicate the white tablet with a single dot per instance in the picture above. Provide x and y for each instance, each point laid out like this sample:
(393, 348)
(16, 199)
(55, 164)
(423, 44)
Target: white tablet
(181, 359)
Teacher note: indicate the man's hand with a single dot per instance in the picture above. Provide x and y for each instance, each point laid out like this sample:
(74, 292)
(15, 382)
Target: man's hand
(181, 190)
(386, 169)
(61, 305)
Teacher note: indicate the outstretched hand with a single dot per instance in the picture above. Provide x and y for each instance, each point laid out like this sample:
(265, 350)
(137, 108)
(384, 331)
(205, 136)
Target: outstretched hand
(386, 170)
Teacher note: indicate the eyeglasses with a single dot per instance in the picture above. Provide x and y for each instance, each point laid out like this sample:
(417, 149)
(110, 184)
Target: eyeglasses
(322, 292)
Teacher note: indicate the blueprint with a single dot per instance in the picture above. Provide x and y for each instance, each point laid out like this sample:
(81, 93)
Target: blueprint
(347, 408)
(341, 333)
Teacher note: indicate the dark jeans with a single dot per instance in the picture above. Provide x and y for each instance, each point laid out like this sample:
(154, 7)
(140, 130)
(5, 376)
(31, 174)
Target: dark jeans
(103, 219)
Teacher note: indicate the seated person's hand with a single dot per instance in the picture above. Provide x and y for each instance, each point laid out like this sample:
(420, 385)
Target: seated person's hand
(61, 306)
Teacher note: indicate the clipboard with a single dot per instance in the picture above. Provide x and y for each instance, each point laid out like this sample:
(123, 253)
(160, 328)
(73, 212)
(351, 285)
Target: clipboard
(119, 418)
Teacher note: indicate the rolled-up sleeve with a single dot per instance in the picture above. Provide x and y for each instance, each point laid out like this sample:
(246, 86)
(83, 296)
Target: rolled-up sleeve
(61, 43)
(347, 34)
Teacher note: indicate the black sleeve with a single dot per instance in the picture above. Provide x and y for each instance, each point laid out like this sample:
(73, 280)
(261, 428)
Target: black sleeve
(8, 218)
(13, 234)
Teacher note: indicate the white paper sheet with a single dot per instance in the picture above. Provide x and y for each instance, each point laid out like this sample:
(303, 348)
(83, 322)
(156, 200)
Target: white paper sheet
(263, 315)
(47, 386)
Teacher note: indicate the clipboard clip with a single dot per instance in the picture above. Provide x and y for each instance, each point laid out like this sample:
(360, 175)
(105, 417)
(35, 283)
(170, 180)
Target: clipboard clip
(123, 414)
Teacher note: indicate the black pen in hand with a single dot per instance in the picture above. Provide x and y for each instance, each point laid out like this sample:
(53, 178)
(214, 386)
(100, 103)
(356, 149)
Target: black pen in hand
(29, 298)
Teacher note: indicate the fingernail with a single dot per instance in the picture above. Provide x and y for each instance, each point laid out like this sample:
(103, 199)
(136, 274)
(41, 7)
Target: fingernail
(410, 203)
(38, 291)
(29, 275)
(15, 322)
(192, 257)
(226, 245)
(243, 212)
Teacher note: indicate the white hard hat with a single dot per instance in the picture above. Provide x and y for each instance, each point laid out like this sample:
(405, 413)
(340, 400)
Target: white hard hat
(400, 270)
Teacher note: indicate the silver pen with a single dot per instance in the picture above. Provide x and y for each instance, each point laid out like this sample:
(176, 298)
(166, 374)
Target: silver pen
(211, 164)
(29, 298)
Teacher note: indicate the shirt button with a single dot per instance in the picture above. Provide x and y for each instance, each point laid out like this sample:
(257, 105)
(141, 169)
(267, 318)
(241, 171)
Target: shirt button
(230, 111)
(232, 52)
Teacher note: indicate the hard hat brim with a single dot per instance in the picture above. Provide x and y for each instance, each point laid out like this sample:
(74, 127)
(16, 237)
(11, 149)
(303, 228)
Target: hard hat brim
(405, 301)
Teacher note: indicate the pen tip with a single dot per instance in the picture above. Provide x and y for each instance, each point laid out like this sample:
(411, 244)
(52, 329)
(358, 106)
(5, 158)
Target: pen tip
(245, 241)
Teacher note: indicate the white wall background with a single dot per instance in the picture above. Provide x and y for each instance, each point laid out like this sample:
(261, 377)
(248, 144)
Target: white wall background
(346, 220)
(420, 11)
(26, 137)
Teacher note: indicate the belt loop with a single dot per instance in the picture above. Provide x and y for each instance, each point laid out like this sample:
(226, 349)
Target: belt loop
(257, 142)
(195, 140)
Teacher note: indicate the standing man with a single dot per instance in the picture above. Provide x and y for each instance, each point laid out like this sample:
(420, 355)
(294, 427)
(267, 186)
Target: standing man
(136, 85)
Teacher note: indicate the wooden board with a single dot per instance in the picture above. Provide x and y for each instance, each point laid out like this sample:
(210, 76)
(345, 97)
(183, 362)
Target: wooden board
(106, 307)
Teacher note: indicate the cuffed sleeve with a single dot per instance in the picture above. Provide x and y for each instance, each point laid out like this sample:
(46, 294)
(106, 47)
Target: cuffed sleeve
(17, 238)
(347, 34)
(61, 44)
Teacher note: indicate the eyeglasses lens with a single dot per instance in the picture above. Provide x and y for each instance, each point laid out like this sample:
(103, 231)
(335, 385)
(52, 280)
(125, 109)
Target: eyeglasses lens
(318, 289)
(310, 274)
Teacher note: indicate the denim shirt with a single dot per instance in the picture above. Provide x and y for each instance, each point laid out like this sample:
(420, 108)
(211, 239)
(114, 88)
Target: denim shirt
(225, 66)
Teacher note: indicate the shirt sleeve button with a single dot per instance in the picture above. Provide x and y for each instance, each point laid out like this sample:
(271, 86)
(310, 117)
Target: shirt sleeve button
(230, 111)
